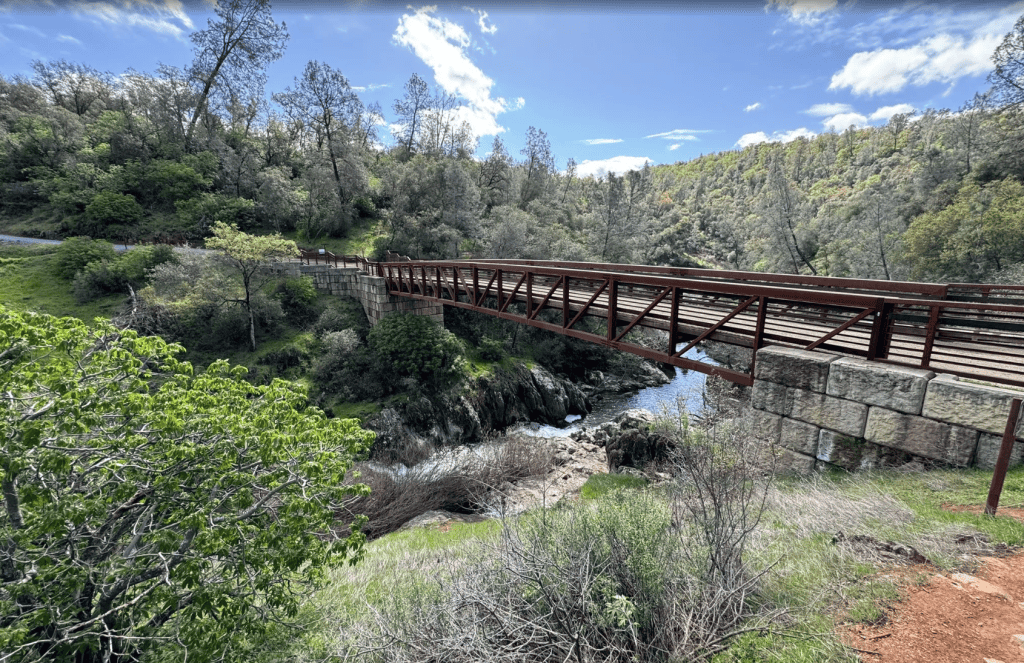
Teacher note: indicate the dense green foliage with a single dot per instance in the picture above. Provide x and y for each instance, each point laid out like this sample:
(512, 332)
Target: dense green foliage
(75, 253)
(418, 347)
(167, 155)
(149, 506)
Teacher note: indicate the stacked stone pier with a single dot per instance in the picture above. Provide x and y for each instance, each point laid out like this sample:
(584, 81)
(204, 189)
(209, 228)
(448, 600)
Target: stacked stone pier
(824, 409)
(371, 291)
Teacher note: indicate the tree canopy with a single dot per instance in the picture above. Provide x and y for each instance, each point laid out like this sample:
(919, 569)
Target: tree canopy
(148, 506)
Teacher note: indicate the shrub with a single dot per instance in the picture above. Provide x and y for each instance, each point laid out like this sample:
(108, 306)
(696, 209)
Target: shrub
(131, 268)
(75, 253)
(417, 346)
(298, 297)
(109, 208)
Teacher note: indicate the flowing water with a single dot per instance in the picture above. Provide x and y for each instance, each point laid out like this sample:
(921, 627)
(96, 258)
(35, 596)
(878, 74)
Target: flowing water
(686, 388)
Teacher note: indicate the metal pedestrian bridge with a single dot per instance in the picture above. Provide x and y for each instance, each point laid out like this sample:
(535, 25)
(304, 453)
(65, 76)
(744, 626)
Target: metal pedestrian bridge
(971, 330)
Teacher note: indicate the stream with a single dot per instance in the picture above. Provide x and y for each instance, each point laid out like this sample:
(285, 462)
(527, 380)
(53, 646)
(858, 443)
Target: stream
(687, 387)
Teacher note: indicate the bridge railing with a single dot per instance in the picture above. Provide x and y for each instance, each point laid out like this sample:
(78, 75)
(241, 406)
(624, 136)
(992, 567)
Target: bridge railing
(906, 326)
(324, 257)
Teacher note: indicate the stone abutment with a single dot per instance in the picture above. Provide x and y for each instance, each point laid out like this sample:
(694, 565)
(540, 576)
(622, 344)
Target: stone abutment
(824, 409)
(371, 291)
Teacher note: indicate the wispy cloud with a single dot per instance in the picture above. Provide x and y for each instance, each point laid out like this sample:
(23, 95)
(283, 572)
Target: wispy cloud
(602, 141)
(617, 165)
(822, 110)
(443, 45)
(371, 86)
(680, 134)
(68, 39)
(807, 12)
(674, 146)
(482, 21)
(27, 28)
(777, 137)
(753, 106)
(165, 17)
(885, 112)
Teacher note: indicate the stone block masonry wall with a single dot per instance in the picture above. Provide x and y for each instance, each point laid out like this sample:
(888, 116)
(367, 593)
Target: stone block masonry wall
(821, 408)
(369, 290)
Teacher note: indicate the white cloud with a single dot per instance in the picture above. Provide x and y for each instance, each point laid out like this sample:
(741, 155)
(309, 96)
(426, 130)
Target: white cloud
(680, 134)
(885, 112)
(482, 21)
(828, 109)
(371, 86)
(675, 146)
(844, 121)
(941, 58)
(602, 141)
(69, 39)
(784, 137)
(753, 106)
(167, 17)
(617, 165)
(442, 46)
(803, 11)
(27, 28)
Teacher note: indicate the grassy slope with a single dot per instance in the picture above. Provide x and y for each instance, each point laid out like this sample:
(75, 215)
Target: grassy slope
(27, 283)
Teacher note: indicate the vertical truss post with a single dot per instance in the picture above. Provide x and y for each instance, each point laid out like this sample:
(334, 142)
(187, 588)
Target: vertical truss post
(437, 273)
(762, 317)
(565, 302)
(929, 336)
(878, 347)
(673, 322)
(613, 303)
(498, 281)
(529, 293)
(476, 287)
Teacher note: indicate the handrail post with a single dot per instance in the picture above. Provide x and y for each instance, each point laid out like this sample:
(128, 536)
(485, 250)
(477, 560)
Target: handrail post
(673, 322)
(613, 304)
(529, 293)
(878, 348)
(1003, 462)
(762, 317)
(565, 302)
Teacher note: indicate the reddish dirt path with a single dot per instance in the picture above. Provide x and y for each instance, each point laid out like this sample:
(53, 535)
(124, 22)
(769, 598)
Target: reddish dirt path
(952, 618)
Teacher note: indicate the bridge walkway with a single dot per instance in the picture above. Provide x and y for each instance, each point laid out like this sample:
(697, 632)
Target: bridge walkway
(971, 330)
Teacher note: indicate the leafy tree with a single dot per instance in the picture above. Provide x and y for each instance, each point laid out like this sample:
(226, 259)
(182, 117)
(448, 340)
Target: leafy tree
(234, 52)
(75, 87)
(417, 346)
(1008, 77)
(248, 255)
(410, 110)
(539, 163)
(150, 507)
(324, 101)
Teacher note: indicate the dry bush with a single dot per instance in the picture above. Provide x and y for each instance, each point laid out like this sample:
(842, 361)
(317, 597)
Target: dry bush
(629, 577)
(459, 481)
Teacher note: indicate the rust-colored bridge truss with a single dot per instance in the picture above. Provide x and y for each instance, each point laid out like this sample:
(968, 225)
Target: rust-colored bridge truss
(975, 331)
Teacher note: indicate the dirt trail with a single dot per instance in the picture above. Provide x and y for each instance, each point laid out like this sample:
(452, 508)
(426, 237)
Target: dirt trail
(953, 617)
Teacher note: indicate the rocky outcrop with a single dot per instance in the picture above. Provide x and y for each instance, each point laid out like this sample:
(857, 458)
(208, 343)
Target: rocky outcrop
(645, 375)
(630, 440)
(409, 429)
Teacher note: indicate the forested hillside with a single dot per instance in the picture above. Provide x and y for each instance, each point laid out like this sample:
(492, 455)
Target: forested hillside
(164, 155)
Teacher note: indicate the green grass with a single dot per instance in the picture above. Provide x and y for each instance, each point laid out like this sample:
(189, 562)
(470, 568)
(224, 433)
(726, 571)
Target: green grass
(598, 485)
(27, 283)
(361, 411)
(359, 241)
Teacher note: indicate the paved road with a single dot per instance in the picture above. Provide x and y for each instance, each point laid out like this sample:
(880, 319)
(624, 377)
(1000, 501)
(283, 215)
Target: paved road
(13, 239)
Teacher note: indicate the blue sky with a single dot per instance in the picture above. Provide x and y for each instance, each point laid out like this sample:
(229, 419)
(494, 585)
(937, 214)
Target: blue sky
(612, 87)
